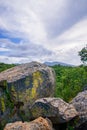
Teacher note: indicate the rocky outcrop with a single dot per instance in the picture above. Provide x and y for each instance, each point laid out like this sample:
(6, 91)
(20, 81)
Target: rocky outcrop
(55, 109)
(80, 103)
(38, 124)
(20, 86)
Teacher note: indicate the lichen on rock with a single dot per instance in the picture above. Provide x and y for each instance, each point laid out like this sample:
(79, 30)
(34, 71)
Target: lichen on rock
(20, 86)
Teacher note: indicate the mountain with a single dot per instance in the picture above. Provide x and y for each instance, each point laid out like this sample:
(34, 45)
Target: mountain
(57, 63)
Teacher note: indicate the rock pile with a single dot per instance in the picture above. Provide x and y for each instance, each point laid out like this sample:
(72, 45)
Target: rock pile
(20, 86)
(26, 93)
(57, 110)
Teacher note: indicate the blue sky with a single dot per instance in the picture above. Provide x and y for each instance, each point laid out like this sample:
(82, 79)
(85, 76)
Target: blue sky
(42, 30)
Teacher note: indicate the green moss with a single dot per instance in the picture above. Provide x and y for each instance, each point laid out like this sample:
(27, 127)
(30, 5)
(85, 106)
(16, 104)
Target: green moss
(13, 93)
(20, 95)
(27, 81)
(39, 111)
(2, 104)
(3, 84)
(9, 99)
(36, 112)
(28, 93)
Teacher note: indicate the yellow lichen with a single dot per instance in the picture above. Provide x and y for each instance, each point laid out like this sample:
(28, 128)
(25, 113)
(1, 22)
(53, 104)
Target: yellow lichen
(31, 92)
(37, 75)
(13, 93)
(37, 81)
(28, 93)
(2, 104)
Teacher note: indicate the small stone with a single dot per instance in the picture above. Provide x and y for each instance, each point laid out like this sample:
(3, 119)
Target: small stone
(38, 124)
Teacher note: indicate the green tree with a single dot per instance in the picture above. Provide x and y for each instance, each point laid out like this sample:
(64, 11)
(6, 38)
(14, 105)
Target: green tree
(83, 55)
(69, 81)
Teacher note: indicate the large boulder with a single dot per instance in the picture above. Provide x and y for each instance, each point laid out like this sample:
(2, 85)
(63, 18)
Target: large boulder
(38, 124)
(20, 86)
(80, 103)
(57, 110)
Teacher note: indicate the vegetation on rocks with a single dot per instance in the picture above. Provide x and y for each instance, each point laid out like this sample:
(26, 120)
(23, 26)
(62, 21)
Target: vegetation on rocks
(2, 104)
(20, 87)
(69, 80)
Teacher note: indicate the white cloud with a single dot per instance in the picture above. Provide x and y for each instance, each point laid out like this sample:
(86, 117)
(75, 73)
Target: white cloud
(32, 19)
(45, 24)
(3, 49)
(22, 22)
(7, 59)
(77, 32)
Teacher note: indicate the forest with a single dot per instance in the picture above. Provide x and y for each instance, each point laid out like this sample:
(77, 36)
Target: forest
(70, 81)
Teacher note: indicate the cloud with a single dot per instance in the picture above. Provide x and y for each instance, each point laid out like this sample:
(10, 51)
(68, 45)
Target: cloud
(60, 15)
(7, 59)
(47, 30)
(25, 51)
(21, 22)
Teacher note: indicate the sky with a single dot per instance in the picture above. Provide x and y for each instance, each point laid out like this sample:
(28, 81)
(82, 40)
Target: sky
(42, 30)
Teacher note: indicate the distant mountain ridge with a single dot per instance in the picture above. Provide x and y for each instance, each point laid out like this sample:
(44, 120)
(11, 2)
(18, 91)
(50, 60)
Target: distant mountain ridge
(57, 63)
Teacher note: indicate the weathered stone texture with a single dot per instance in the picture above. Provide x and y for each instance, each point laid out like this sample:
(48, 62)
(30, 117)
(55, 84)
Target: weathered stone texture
(20, 86)
(55, 109)
(80, 103)
(38, 124)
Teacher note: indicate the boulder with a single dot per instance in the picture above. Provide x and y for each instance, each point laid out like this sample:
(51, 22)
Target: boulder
(80, 103)
(57, 110)
(20, 86)
(38, 124)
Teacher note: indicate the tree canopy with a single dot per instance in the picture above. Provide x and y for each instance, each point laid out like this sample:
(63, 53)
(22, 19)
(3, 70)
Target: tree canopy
(83, 55)
(69, 81)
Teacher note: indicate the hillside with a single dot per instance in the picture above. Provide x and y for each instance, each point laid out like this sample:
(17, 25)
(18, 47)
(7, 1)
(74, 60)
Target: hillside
(57, 63)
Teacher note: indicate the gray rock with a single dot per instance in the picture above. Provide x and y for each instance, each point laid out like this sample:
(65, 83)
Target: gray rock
(55, 109)
(80, 103)
(20, 86)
